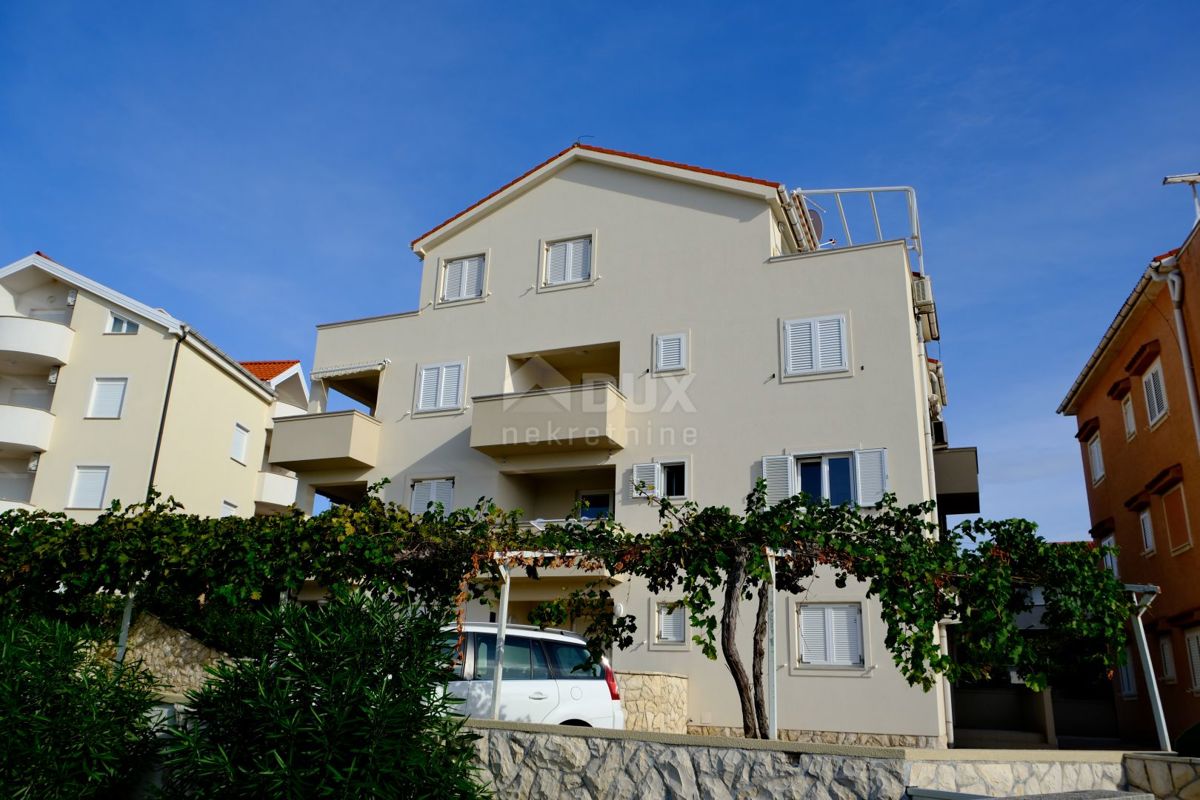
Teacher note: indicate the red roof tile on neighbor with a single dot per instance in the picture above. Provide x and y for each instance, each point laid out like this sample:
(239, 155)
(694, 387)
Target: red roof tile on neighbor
(266, 370)
(1166, 255)
(606, 151)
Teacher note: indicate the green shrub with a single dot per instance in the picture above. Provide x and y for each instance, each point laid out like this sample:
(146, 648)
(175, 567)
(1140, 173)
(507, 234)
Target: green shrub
(73, 725)
(347, 700)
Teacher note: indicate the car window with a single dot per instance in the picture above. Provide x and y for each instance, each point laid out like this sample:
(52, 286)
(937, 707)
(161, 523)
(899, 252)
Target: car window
(523, 658)
(454, 656)
(567, 660)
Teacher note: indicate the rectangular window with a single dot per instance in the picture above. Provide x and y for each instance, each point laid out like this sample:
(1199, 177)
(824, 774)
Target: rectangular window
(1166, 658)
(596, 505)
(860, 476)
(830, 635)
(1192, 640)
(814, 346)
(674, 479)
(1095, 458)
(568, 261)
(1179, 533)
(1110, 559)
(1127, 415)
(672, 624)
(1125, 678)
(440, 386)
(1147, 526)
(463, 279)
(228, 509)
(241, 440)
(431, 492)
(121, 325)
(827, 477)
(670, 352)
(108, 397)
(87, 490)
(1156, 393)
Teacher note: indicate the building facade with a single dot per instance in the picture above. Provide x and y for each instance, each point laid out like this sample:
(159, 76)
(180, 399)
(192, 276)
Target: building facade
(1139, 434)
(607, 320)
(102, 397)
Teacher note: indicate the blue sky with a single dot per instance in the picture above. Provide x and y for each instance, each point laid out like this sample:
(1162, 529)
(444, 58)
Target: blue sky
(257, 168)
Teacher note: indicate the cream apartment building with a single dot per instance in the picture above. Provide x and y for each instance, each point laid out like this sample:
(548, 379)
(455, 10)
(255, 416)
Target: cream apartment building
(102, 396)
(607, 319)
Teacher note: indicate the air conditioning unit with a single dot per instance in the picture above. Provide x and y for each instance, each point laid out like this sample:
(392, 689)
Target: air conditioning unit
(940, 437)
(52, 378)
(71, 296)
(922, 292)
(33, 462)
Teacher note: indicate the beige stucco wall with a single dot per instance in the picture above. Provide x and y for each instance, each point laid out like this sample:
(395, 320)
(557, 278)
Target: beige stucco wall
(670, 257)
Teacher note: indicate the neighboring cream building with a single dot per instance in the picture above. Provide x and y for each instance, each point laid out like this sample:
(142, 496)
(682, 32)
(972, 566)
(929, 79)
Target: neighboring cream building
(607, 318)
(102, 397)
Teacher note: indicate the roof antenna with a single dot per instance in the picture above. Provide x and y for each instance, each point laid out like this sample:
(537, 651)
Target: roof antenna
(579, 139)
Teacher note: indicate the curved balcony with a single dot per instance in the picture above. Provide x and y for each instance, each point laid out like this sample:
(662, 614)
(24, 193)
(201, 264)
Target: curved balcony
(24, 430)
(34, 343)
(15, 505)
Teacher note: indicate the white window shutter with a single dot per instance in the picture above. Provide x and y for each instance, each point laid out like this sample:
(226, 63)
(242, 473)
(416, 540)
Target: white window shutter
(845, 635)
(651, 476)
(831, 343)
(108, 397)
(88, 488)
(1127, 415)
(1166, 657)
(1193, 648)
(670, 352)
(672, 623)
(454, 279)
(1156, 395)
(428, 398)
(240, 443)
(871, 468)
(1096, 457)
(798, 340)
(422, 496)
(1147, 525)
(473, 277)
(579, 268)
(451, 386)
(556, 263)
(780, 474)
(813, 648)
(228, 509)
(442, 491)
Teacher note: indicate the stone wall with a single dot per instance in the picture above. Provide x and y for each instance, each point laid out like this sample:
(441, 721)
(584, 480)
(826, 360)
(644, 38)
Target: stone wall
(1166, 777)
(829, 737)
(531, 762)
(654, 701)
(172, 656)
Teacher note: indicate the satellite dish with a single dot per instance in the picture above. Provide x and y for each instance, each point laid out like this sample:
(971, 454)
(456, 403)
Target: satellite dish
(817, 222)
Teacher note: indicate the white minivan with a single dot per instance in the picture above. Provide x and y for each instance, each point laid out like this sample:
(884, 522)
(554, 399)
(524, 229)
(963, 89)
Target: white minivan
(543, 680)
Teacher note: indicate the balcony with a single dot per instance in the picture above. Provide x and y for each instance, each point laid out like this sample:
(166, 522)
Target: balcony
(24, 430)
(276, 490)
(564, 419)
(34, 344)
(334, 440)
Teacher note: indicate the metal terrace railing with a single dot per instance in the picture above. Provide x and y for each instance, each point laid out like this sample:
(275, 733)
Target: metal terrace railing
(893, 223)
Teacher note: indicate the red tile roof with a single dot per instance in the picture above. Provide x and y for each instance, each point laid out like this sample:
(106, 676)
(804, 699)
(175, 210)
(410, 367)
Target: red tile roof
(606, 151)
(1166, 255)
(266, 370)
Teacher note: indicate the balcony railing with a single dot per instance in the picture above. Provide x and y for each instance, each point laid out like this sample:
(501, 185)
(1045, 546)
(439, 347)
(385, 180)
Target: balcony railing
(334, 440)
(581, 417)
(35, 342)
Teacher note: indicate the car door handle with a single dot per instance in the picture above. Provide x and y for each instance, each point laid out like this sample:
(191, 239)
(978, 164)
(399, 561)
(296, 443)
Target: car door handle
(538, 696)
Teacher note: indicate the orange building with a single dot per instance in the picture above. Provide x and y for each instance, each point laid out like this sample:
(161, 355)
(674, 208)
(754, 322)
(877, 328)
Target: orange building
(1139, 434)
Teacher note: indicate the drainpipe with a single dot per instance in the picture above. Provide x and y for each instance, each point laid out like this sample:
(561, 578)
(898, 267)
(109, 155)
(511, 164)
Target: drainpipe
(127, 613)
(1174, 280)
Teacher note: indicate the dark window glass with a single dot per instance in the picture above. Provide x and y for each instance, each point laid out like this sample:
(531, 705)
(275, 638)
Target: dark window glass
(567, 659)
(841, 483)
(673, 480)
(810, 478)
(598, 505)
(523, 658)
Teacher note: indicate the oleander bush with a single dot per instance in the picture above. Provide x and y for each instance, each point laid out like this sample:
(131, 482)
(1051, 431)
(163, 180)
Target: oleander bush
(343, 700)
(74, 725)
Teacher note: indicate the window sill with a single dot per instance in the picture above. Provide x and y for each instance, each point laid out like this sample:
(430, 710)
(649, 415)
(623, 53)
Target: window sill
(1155, 423)
(558, 287)
(830, 671)
(83, 508)
(816, 376)
(669, 647)
(1148, 553)
(101, 417)
(120, 333)
(440, 412)
(669, 373)
(466, 301)
(1183, 548)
